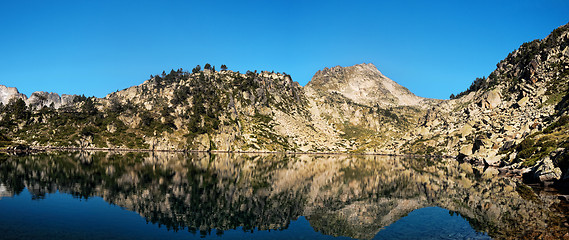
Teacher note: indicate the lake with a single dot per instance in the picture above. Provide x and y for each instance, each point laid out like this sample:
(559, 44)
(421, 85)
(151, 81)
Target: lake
(104, 195)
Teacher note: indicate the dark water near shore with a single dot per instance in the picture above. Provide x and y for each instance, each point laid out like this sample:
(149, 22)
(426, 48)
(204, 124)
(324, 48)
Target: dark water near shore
(237, 196)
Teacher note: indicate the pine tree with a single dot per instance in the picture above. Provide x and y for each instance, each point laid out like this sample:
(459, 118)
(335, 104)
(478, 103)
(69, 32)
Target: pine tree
(197, 69)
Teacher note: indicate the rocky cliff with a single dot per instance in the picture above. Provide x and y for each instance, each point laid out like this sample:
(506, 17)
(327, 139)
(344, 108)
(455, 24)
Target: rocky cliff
(9, 93)
(37, 100)
(516, 117)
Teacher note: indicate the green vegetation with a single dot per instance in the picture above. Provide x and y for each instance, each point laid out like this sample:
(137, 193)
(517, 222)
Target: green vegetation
(75, 125)
(356, 132)
(475, 86)
(526, 192)
(174, 107)
(423, 147)
(541, 144)
(265, 134)
(562, 121)
(4, 141)
(552, 39)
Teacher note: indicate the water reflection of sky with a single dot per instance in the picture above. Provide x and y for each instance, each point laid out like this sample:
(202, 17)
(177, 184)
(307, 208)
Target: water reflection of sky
(430, 223)
(226, 195)
(61, 216)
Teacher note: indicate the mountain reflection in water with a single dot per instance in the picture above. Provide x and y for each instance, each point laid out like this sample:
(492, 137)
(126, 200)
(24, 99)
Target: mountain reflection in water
(340, 195)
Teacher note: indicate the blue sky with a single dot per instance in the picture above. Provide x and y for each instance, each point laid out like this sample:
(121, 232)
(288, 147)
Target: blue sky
(434, 48)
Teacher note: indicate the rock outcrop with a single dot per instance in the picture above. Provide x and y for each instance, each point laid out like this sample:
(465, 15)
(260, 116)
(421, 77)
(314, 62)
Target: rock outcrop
(37, 100)
(45, 99)
(544, 171)
(9, 93)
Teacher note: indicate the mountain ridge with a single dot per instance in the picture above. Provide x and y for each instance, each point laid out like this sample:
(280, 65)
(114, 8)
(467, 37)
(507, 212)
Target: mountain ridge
(342, 109)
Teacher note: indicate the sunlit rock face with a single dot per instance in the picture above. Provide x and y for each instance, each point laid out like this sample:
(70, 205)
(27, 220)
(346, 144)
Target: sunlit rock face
(37, 100)
(364, 84)
(361, 105)
(45, 99)
(342, 195)
(9, 93)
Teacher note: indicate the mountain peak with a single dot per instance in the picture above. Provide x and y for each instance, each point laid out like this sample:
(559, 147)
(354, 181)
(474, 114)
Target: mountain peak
(363, 84)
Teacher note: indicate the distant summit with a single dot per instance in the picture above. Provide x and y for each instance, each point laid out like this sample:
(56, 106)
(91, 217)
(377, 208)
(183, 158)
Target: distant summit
(37, 99)
(363, 84)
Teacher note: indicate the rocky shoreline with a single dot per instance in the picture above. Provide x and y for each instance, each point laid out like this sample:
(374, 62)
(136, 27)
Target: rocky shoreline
(536, 175)
(33, 149)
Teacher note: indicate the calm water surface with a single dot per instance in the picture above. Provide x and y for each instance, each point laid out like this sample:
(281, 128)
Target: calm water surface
(235, 196)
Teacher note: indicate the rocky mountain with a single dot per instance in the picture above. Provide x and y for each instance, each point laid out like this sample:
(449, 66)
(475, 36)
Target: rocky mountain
(515, 118)
(225, 110)
(363, 84)
(363, 106)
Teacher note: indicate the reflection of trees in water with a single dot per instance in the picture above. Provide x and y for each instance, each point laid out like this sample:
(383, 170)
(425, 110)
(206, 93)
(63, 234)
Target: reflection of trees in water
(340, 195)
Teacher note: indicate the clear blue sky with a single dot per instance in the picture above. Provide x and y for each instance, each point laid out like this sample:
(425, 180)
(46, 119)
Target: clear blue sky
(97, 47)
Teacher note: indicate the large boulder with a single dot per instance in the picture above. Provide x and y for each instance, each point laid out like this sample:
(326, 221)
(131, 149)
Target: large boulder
(466, 149)
(491, 99)
(465, 130)
(544, 170)
(202, 142)
(522, 102)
